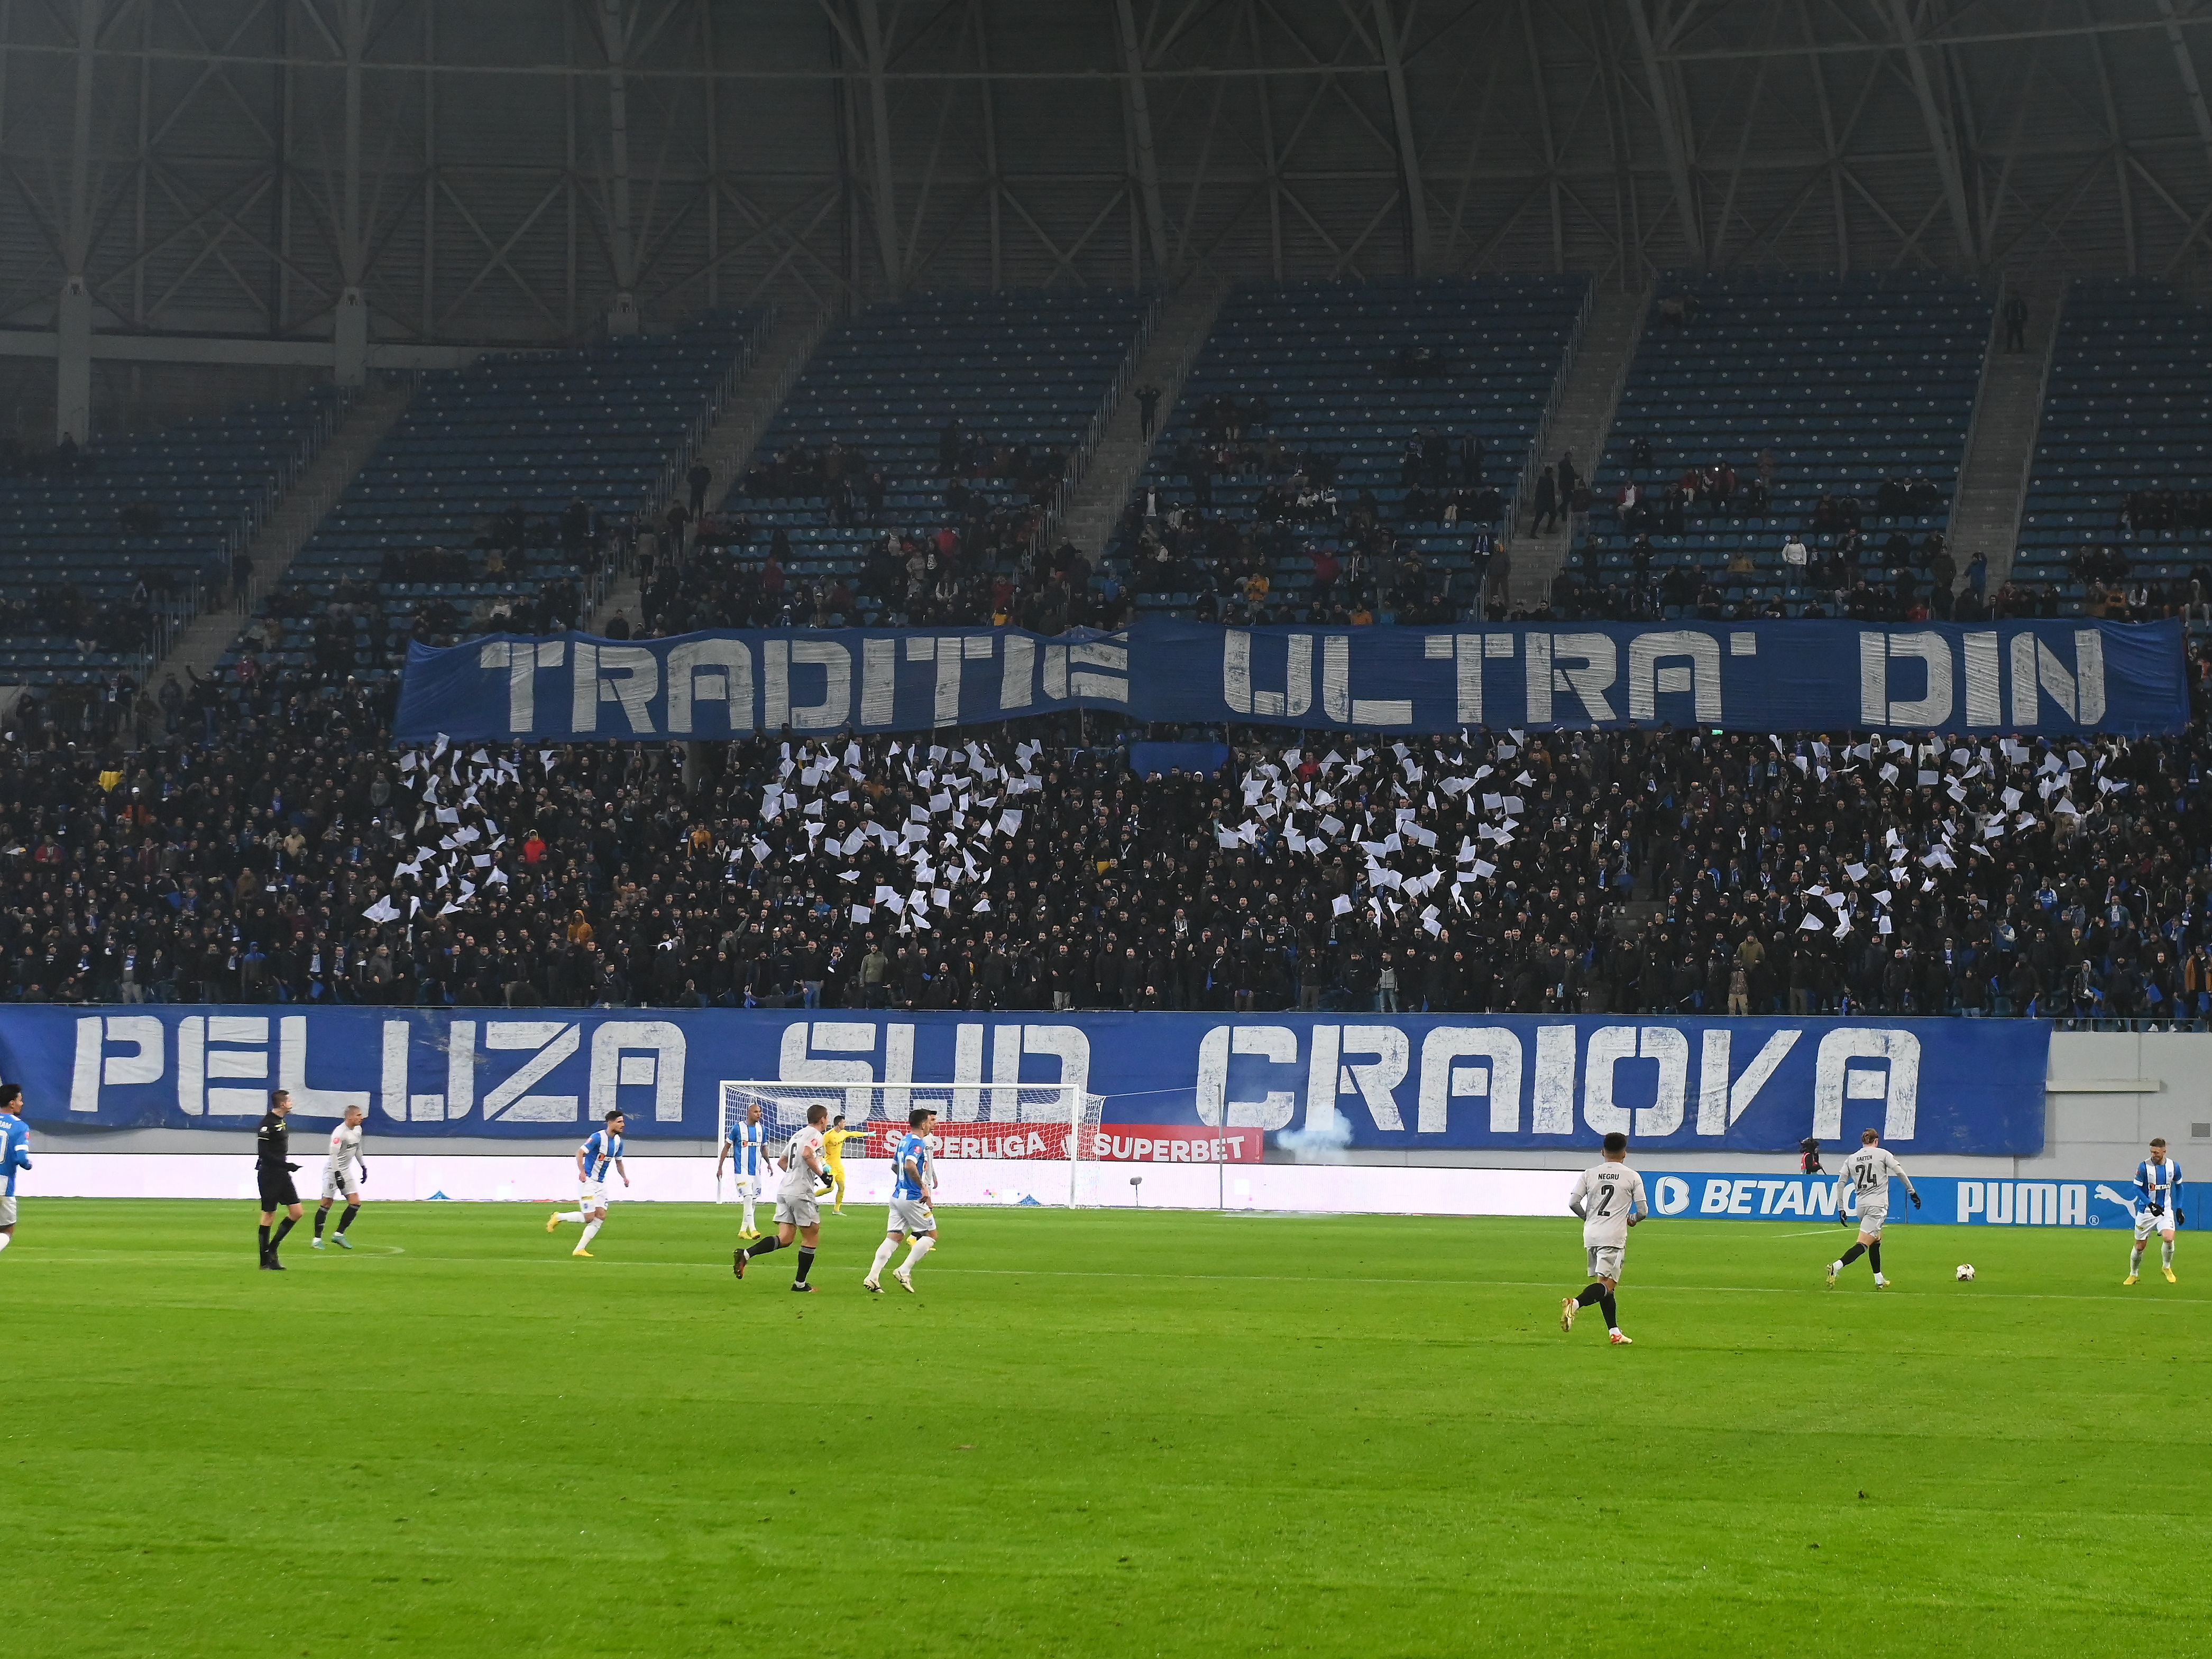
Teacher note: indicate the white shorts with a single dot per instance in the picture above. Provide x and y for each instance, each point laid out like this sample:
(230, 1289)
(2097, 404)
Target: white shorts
(797, 1212)
(910, 1215)
(2147, 1224)
(591, 1195)
(7, 1212)
(1870, 1221)
(746, 1186)
(1605, 1261)
(334, 1186)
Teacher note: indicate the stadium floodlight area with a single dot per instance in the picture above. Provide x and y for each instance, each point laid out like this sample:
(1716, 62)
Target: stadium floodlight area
(1041, 1123)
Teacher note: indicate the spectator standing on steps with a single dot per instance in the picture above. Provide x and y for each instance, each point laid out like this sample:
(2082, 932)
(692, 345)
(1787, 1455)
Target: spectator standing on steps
(1148, 407)
(2015, 322)
(1943, 574)
(1500, 579)
(1547, 515)
(699, 478)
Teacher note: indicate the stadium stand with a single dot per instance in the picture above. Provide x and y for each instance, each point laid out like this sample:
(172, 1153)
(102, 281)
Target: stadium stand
(2118, 515)
(254, 836)
(913, 472)
(1341, 448)
(102, 551)
(491, 503)
(1762, 407)
(264, 846)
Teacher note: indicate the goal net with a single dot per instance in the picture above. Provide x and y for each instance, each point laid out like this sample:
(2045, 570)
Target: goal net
(1036, 1122)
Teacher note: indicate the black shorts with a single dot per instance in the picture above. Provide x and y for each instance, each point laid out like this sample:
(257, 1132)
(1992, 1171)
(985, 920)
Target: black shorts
(276, 1190)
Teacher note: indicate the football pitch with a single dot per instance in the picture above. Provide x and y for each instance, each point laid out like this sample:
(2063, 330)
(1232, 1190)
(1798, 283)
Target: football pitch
(1091, 1433)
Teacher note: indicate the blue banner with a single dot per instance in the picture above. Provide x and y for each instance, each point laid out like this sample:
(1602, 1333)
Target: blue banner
(1315, 1083)
(1703, 1194)
(581, 689)
(2018, 676)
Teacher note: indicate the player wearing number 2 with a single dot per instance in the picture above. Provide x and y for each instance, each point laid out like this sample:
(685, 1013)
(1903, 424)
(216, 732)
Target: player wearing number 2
(1868, 1172)
(1610, 1200)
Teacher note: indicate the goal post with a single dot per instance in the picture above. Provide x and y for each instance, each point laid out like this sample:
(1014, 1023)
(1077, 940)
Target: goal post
(1034, 1122)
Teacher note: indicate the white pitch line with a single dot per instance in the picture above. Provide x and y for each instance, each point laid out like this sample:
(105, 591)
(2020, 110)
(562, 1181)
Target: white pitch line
(1640, 1286)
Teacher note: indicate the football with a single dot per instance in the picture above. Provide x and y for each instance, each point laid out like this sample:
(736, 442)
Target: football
(1965, 1270)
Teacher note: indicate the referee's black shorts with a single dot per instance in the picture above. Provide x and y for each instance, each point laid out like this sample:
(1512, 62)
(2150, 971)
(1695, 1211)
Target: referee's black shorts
(276, 1190)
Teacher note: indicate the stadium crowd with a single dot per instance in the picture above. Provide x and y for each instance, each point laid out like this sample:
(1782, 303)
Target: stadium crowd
(267, 842)
(59, 610)
(1306, 552)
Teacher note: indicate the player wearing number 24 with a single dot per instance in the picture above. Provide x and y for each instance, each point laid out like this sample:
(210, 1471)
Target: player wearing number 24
(1869, 1172)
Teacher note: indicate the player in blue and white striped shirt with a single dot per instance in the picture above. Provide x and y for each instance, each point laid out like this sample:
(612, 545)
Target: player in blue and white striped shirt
(601, 1148)
(745, 1146)
(2158, 1178)
(913, 1178)
(15, 1154)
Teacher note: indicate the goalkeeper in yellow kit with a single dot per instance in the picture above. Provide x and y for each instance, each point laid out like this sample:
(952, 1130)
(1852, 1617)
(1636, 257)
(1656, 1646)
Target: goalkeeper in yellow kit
(833, 1157)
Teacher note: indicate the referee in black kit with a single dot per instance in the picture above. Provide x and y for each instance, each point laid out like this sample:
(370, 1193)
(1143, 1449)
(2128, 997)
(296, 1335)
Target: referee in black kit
(272, 1150)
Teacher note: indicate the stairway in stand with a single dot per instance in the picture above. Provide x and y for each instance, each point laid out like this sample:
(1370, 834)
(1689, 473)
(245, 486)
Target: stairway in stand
(1118, 461)
(312, 495)
(729, 444)
(2000, 443)
(1579, 425)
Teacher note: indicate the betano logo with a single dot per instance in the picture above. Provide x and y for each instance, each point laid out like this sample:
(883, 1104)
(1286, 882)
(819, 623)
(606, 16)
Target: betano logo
(1749, 1196)
(1969, 1203)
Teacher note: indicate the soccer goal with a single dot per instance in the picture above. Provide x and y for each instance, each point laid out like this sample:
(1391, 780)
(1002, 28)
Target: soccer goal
(1039, 1122)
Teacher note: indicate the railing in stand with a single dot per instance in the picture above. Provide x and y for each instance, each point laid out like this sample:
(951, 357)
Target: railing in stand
(666, 487)
(1102, 415)
(1526, 483)
(2035, 435)
(1990, 348)
(202, 593)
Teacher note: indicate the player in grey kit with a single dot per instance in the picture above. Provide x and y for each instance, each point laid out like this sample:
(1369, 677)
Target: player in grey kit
(343, 1171)
(1610, 1198)
(1869, 1172)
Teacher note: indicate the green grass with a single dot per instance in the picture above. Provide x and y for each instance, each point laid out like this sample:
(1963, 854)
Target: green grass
(1094, 1433)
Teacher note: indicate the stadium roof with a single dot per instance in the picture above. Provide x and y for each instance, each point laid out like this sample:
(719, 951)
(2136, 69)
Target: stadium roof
(502, 169)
